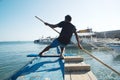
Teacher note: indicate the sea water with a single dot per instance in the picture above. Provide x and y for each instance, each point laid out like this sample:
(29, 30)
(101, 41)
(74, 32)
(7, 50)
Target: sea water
(13, 58)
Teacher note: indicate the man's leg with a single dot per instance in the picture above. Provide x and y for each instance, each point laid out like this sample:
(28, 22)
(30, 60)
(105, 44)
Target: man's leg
(62, 49)
(46, 49)
(52, 45)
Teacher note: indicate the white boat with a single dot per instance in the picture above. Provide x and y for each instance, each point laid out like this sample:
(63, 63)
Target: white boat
(47, 40)
(86, 39)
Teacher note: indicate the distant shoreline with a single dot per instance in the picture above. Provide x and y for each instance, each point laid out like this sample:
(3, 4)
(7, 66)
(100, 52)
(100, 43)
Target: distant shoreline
(103, 34)
(108, 34)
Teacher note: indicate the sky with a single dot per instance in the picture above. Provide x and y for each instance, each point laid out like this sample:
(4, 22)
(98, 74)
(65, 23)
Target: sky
(18, 22)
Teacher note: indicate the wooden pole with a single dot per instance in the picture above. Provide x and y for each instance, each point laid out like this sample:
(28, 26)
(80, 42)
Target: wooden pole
(45, 22)
(101, 62)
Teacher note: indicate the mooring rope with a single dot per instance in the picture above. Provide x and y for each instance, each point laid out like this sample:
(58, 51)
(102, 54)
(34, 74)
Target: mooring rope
(87, 52)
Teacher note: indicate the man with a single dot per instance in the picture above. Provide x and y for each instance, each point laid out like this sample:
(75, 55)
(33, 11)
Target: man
(64, 38)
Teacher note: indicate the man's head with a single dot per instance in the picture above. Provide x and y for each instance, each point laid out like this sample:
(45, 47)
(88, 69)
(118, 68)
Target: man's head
(68, 18)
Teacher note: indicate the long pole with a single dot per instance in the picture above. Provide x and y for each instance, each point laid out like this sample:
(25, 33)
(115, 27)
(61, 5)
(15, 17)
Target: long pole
(44, 22)
(87, 52)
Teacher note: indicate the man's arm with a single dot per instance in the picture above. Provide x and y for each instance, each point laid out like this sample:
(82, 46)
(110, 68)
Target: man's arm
(77, 38)
(51, 25)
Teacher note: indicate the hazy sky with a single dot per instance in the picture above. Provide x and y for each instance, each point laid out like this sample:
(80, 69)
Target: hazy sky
(17, 21)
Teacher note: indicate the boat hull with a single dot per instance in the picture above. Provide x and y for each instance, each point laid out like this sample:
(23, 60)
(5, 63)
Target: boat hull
(43, 68)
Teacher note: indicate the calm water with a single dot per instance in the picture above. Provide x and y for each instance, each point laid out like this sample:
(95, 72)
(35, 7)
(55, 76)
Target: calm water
(13, 57)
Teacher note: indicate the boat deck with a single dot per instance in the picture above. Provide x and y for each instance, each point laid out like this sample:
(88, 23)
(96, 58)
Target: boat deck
(54, 68)
(43, 68)
(81, 75)
(76, 69)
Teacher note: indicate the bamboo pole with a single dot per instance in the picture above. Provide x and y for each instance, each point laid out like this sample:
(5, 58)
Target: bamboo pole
(87, 52)
(45, 22)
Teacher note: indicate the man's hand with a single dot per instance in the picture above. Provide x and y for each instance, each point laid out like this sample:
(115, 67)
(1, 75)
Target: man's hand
(50, 25)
